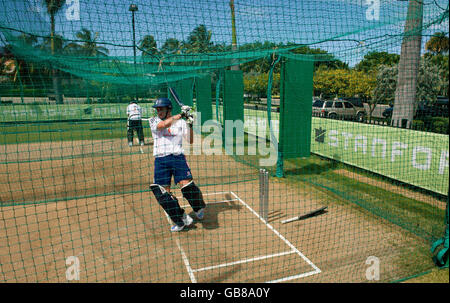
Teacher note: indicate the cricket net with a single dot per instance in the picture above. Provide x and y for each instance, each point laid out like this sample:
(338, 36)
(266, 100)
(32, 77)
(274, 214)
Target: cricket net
(320, 140)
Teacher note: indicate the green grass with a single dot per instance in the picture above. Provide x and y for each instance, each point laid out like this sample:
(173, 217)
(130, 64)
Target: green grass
(413, 215)
(434, 276)
(62, 131)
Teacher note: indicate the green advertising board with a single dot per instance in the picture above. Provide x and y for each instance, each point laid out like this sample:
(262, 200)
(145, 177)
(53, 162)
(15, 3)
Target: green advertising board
(414, 157)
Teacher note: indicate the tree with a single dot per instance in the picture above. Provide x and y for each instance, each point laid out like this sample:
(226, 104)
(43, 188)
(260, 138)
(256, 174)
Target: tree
(323, 58)
(148, 46)
(343, 83)
(89, 47)
(171, 46)
(8, 63)
(256, 84)
(28, 39)
(373, 60)
(384, 92)
(17, 65)
(426, 89)
(405, 93)
(441, 62)
(331, 82)
(438, 44)
(260, 65)
(199, 40)
(53, 6)
(54, 45)
(437, 53)
(427, 80)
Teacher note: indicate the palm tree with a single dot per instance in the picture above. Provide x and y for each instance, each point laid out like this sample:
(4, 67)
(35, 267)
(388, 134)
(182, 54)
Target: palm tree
(53, 44)
(53, 6)
(148, 46)
(89, 47)
(438, 43)
(171, 46)
(28, 39)
(199, 40)
(405, 93)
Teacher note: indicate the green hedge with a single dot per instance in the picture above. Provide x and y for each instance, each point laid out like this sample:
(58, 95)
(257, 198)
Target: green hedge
(433, 124)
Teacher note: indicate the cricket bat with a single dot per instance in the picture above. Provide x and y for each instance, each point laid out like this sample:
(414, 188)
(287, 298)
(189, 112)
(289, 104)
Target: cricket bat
(307, 215)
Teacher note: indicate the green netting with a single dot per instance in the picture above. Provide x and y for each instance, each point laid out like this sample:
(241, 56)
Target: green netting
(203, 96)
(295, 108)
(233, 91)
(184, 89)
(339, 104)
(233, 111)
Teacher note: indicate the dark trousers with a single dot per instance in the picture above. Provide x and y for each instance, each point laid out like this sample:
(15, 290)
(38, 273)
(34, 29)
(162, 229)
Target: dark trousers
(135, 125)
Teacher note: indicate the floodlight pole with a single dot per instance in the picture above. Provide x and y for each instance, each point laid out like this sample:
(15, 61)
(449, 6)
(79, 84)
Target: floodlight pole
(133, 8)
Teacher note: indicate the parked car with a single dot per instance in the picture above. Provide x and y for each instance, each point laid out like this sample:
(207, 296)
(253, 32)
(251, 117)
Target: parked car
(317, 107)
(355, 101)
(341, 109)
(387, 113)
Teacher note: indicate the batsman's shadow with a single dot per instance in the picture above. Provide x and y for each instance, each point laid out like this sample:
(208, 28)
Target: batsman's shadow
(212, 211)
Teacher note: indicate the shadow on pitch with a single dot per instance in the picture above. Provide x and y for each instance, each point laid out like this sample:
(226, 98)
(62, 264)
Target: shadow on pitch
(212, 211)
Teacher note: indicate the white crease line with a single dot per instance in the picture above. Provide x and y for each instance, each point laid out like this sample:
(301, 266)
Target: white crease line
(186, 263)
(244, 261)
(294, 250)
(316, 269)
(183, 254)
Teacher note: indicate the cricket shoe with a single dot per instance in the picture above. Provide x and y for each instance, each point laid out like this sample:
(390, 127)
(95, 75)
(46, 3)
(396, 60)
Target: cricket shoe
(187, 220)
(200, 214)
(176, 228)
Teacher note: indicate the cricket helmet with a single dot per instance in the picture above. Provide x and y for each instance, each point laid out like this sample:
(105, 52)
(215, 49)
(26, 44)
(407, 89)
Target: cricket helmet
(162, 102)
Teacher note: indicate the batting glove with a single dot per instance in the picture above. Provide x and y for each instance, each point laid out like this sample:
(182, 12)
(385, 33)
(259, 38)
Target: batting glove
(190, 120)
(184, 115)
(185, 111)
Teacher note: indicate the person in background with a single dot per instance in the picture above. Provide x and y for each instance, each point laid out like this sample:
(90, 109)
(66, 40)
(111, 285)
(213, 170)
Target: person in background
(134, 123)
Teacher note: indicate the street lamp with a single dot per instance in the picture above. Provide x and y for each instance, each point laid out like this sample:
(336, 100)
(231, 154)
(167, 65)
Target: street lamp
(133, 8)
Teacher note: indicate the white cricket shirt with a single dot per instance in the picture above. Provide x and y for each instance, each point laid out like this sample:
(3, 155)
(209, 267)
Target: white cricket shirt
(168, 141)
(134, 112)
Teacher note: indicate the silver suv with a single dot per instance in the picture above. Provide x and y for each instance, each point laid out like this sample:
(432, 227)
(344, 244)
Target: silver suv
(341, 109)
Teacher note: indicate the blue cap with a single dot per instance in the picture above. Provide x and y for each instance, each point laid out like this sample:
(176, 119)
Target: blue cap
(162, 102)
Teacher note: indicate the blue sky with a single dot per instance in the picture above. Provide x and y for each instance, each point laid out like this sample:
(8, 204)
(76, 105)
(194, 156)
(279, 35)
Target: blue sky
(310, 22)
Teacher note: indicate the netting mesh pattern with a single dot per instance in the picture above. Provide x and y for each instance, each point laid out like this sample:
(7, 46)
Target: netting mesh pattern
(187, 38)
(293, 193)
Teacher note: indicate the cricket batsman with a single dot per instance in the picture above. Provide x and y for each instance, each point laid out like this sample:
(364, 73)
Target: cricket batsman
(168, 132)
